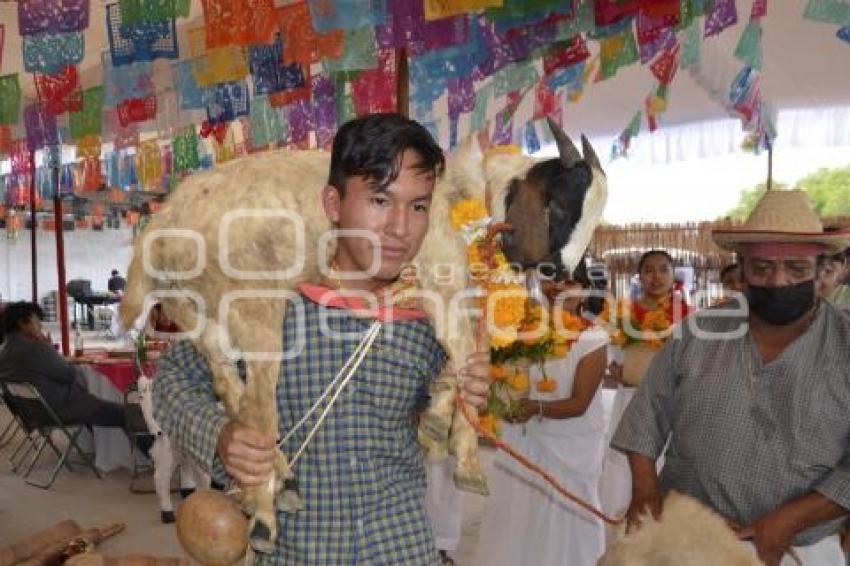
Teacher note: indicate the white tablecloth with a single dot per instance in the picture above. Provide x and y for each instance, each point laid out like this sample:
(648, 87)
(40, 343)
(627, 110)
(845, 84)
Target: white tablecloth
(111, 444)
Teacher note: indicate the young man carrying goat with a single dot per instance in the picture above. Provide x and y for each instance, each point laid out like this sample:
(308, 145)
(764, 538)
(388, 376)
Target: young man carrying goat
(358, 467)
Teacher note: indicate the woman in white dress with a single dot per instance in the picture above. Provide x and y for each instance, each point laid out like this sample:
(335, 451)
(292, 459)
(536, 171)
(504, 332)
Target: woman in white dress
(527, 522)
(656, 276)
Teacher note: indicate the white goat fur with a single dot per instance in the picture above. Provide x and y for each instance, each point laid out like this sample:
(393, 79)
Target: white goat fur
(165, 458)
(687, 534)
(291, 181)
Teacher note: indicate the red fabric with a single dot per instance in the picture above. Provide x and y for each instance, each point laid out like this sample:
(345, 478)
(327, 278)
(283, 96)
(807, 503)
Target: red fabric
(122, 373)
(134, 110)
(60, 93)
(609, 12)
(329, 297)
(664, 67)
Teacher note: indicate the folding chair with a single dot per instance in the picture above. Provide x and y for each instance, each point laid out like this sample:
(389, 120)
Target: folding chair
(39, 419)
(12, 426)
(25, 446)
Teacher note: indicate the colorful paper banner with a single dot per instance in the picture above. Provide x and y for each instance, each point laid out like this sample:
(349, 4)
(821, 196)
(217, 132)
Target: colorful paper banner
(144, 41)
(49, 53)
(87, 121)
(10, 99)
(52, 16)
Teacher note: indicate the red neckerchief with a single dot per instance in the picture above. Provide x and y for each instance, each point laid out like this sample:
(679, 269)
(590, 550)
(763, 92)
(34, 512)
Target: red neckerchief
(391, 307)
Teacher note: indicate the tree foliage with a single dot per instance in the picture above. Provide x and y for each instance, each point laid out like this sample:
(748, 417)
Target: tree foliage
(829, 190)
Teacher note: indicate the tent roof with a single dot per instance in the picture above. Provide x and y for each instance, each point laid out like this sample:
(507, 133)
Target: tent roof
(805, 65)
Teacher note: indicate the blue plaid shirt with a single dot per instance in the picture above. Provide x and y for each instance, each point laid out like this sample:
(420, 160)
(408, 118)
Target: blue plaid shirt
(362, 476)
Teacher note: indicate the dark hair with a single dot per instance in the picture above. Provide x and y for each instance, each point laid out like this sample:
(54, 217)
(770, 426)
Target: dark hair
(114, 272)
(840, 257)
(728, 268)
(372, 147)
(650, 254)
(16, 313)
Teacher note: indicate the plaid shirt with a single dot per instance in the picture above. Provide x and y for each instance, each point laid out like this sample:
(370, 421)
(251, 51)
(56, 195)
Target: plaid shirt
(362, 476)
(746, 437)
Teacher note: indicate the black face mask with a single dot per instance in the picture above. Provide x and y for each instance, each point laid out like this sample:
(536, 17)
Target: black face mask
(779, 306)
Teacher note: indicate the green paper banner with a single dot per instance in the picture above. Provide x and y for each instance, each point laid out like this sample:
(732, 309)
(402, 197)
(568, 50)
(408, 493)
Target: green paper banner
(690, 54)
(10, 99)
(88, 121)
(828, 11)
(749, 46)
(618, 51)
(360, 52)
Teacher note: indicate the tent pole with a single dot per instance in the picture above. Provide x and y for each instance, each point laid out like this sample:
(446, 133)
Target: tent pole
(33, 238)
(769, 166)
(60, 263)
(403, 82)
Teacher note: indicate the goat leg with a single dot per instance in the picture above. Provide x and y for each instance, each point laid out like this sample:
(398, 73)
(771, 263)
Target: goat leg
(258, 410)
(463, 443)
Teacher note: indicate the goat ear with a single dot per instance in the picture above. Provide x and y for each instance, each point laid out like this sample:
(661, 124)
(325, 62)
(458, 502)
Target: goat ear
(566, 148)
(590, 156)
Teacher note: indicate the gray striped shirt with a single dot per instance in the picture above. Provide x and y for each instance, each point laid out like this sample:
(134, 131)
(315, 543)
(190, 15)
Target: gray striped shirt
(746, 437)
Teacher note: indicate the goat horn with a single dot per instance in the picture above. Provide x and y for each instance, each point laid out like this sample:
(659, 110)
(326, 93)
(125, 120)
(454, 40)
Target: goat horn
(566, 148)
(590, 156)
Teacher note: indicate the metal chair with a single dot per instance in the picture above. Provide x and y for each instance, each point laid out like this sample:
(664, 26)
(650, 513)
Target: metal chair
(12, 426)
(26, 444)
(40, 421)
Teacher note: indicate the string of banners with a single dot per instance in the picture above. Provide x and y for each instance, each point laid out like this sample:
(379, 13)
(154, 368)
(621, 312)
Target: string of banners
(255, 75)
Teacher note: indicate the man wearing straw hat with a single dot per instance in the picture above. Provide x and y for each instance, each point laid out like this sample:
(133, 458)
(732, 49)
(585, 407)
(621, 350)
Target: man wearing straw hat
(755, 402)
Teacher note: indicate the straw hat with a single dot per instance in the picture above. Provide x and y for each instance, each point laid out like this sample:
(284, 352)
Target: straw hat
(783, 217)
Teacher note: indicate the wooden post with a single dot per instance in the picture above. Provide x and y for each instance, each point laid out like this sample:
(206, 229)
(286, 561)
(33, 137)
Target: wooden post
(769, 165)
(403, 84)
(60, 263)
(33, 239)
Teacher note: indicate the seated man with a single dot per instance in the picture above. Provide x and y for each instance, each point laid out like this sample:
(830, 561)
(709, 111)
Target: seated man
(27, 355)
(116, 283)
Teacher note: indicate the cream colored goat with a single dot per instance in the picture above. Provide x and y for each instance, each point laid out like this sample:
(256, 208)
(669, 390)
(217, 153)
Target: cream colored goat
(687, 534)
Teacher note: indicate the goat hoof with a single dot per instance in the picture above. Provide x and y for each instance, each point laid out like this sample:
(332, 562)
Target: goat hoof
(289, 501)
(186, 492)
(473, 481)
(261, 537)
(167, 516)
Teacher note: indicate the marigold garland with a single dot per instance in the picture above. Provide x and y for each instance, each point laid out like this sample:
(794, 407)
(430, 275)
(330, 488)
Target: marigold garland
(520, 335)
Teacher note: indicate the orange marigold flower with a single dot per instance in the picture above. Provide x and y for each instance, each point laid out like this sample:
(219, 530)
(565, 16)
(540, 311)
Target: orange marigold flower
(468, 211)
(547, 385)
(507, 302)
(518, 381)
(560, 350)
(503, 337)
(498, 372)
